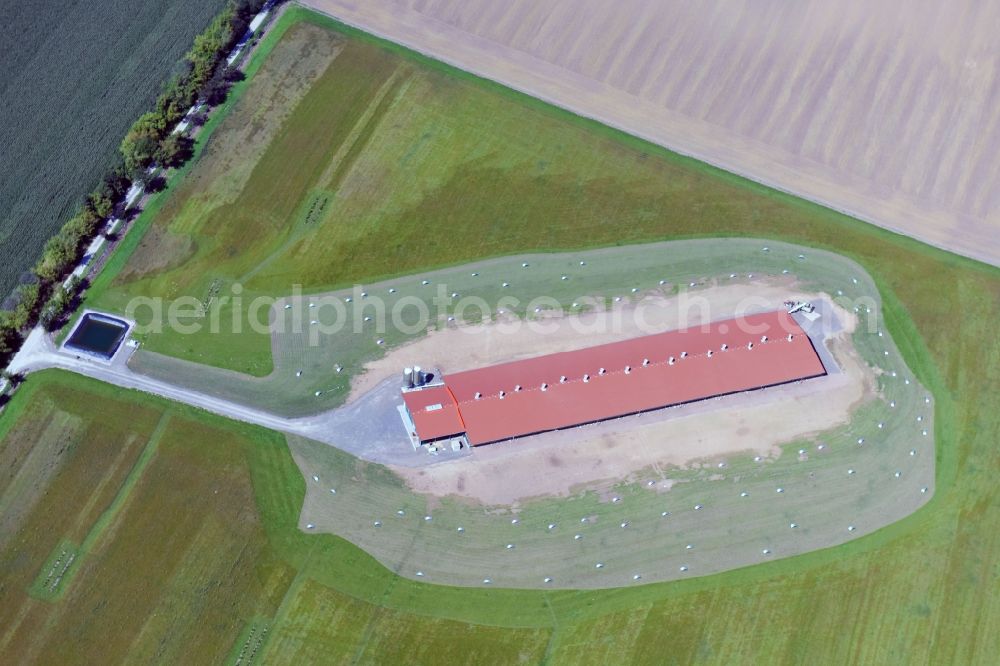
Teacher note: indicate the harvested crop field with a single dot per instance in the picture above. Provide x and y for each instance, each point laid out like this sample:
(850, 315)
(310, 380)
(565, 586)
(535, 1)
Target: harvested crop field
(74, 77)
(892, 115)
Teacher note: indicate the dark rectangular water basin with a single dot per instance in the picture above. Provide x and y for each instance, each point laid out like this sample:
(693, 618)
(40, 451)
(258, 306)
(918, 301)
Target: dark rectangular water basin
(98, 335)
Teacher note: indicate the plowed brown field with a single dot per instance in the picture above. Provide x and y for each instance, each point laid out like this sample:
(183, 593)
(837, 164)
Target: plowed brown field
(887, 111)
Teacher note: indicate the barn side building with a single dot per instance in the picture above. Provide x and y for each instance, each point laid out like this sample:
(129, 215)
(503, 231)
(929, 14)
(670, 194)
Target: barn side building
(573, 388)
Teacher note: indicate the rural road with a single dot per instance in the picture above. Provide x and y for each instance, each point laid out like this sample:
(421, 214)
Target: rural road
(368, 428)
(39, 353)
(385, 440)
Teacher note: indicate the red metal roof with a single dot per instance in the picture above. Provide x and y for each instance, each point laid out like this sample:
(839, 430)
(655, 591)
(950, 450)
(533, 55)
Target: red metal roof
(434, 412)
(700, 369)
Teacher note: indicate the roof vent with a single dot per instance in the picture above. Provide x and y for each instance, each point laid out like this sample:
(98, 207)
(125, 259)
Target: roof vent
(502, 394)
(517, 388)
(478, 395)
(601, 371)
(562, 379)
(763, 338)
(724, 346)
(545, 387)
(628, 369)
(586, 378)
(790, 336)
(672, 360)
(749, 345)
(645, 362)
(710, 353)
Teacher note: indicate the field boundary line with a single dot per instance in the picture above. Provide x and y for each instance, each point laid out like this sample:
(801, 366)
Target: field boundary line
(108, 516)
(381, 608)
(550, 645)
(278, 618)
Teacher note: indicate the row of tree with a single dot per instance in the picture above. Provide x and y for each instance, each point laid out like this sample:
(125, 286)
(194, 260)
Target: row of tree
(204, 75)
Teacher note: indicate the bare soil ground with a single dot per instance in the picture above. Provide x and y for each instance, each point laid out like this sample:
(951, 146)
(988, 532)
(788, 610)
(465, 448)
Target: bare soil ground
(892, 116)
(463, 347)
(559, 463)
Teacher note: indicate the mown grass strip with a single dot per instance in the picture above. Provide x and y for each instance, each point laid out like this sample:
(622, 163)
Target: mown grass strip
(56, 572)
(249, 646)
(109, 515)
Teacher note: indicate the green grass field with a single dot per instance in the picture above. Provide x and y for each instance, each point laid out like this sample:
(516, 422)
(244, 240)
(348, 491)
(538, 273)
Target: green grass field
(492, 173)
(75, 76)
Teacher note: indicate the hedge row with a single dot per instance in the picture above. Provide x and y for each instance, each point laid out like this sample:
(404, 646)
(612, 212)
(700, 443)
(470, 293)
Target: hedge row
(149, 141)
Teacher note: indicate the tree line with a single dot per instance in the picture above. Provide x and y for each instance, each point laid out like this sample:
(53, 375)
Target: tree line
(47, 297)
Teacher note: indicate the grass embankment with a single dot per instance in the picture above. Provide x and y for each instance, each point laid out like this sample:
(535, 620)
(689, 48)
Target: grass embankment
(732, 530)
(919, 591)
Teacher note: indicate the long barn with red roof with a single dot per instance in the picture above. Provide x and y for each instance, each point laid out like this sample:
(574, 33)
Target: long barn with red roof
(573, 388)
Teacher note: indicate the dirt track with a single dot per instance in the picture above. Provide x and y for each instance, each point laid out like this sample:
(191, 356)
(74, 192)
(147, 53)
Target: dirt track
(890, 115)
